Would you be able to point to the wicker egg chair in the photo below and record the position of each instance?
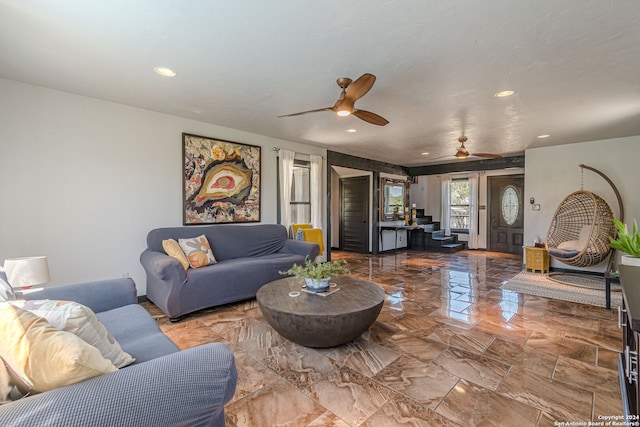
(580, 230)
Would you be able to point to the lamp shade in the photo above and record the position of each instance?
(27, 271)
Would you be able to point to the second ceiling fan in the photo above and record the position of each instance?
(351, 92)
(463, 153)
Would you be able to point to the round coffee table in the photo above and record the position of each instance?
(320, 321)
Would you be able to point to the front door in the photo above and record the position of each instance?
(506, 213)
(354, 214)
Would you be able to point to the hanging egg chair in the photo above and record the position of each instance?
(580, 230)
(581, 227)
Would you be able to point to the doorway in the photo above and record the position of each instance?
(354, 214)
(506, 213)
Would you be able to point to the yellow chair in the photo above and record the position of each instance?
(314, 235)
(309, 234)
(296, 227)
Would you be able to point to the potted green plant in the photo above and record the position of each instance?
(626, 242)
(317, 276)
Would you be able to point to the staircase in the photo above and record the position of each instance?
(437, 241)
(433, 239)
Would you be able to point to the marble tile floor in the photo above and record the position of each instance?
(450, 348)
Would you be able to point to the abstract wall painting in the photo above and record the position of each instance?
(221, 181)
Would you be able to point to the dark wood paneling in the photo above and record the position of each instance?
(353, 162)
(480, 165)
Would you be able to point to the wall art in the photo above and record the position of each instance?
(221, 181)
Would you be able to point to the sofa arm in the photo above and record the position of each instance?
(162, 267)
(300, 247)
(187, 388)
(101, 295)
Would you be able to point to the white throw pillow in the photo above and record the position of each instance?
(198, 251)
(81, 321)
(42, 356)
(583, 240)
(570, 245)
(6, 291)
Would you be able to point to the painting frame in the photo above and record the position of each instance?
(220, 181)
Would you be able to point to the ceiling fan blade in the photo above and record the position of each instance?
(360, 87)
(487, 155)
(307, 112)
(370, 117)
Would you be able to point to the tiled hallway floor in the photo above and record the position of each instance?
(449, 348)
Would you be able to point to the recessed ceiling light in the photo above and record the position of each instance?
(504, 93)
(351, 130)
(426, 153)
(164, 71)
(543, 136)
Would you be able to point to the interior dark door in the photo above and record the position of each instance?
(354, 214)
(506, 213)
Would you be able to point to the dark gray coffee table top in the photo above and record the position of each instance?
(321, 321)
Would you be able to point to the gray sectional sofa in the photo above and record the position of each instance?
(164, 387)
(248, 257)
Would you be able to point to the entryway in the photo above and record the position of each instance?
(506, 213)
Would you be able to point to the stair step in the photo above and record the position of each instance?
(453, 247)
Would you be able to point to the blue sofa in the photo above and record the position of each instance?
(164, 387)
(248, 257)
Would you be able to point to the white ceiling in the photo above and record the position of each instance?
(574, 64)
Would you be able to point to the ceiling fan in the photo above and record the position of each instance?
(351, 92)
(463, 153)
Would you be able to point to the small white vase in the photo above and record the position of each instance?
(629, 260)
(316, 285)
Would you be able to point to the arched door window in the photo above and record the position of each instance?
(510, 205)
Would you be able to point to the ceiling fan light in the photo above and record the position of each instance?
(462, 155)
(504, 93)
(343, 113)
(165, 71)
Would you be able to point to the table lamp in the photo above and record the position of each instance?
(27, 271)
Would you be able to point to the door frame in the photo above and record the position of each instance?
(489, 204)
(368, 214)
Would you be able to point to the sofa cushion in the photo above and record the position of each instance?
(173, 249)
(79, 320)
(137, 332)
(43, 356)
(198, 251)
(230, 242)
(233, 279)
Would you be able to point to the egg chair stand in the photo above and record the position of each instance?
(580, 230)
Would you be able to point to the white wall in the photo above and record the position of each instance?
(552, 173)
(83, 180)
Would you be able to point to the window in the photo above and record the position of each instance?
(300, 203)
(510, 205)
(459, 211)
